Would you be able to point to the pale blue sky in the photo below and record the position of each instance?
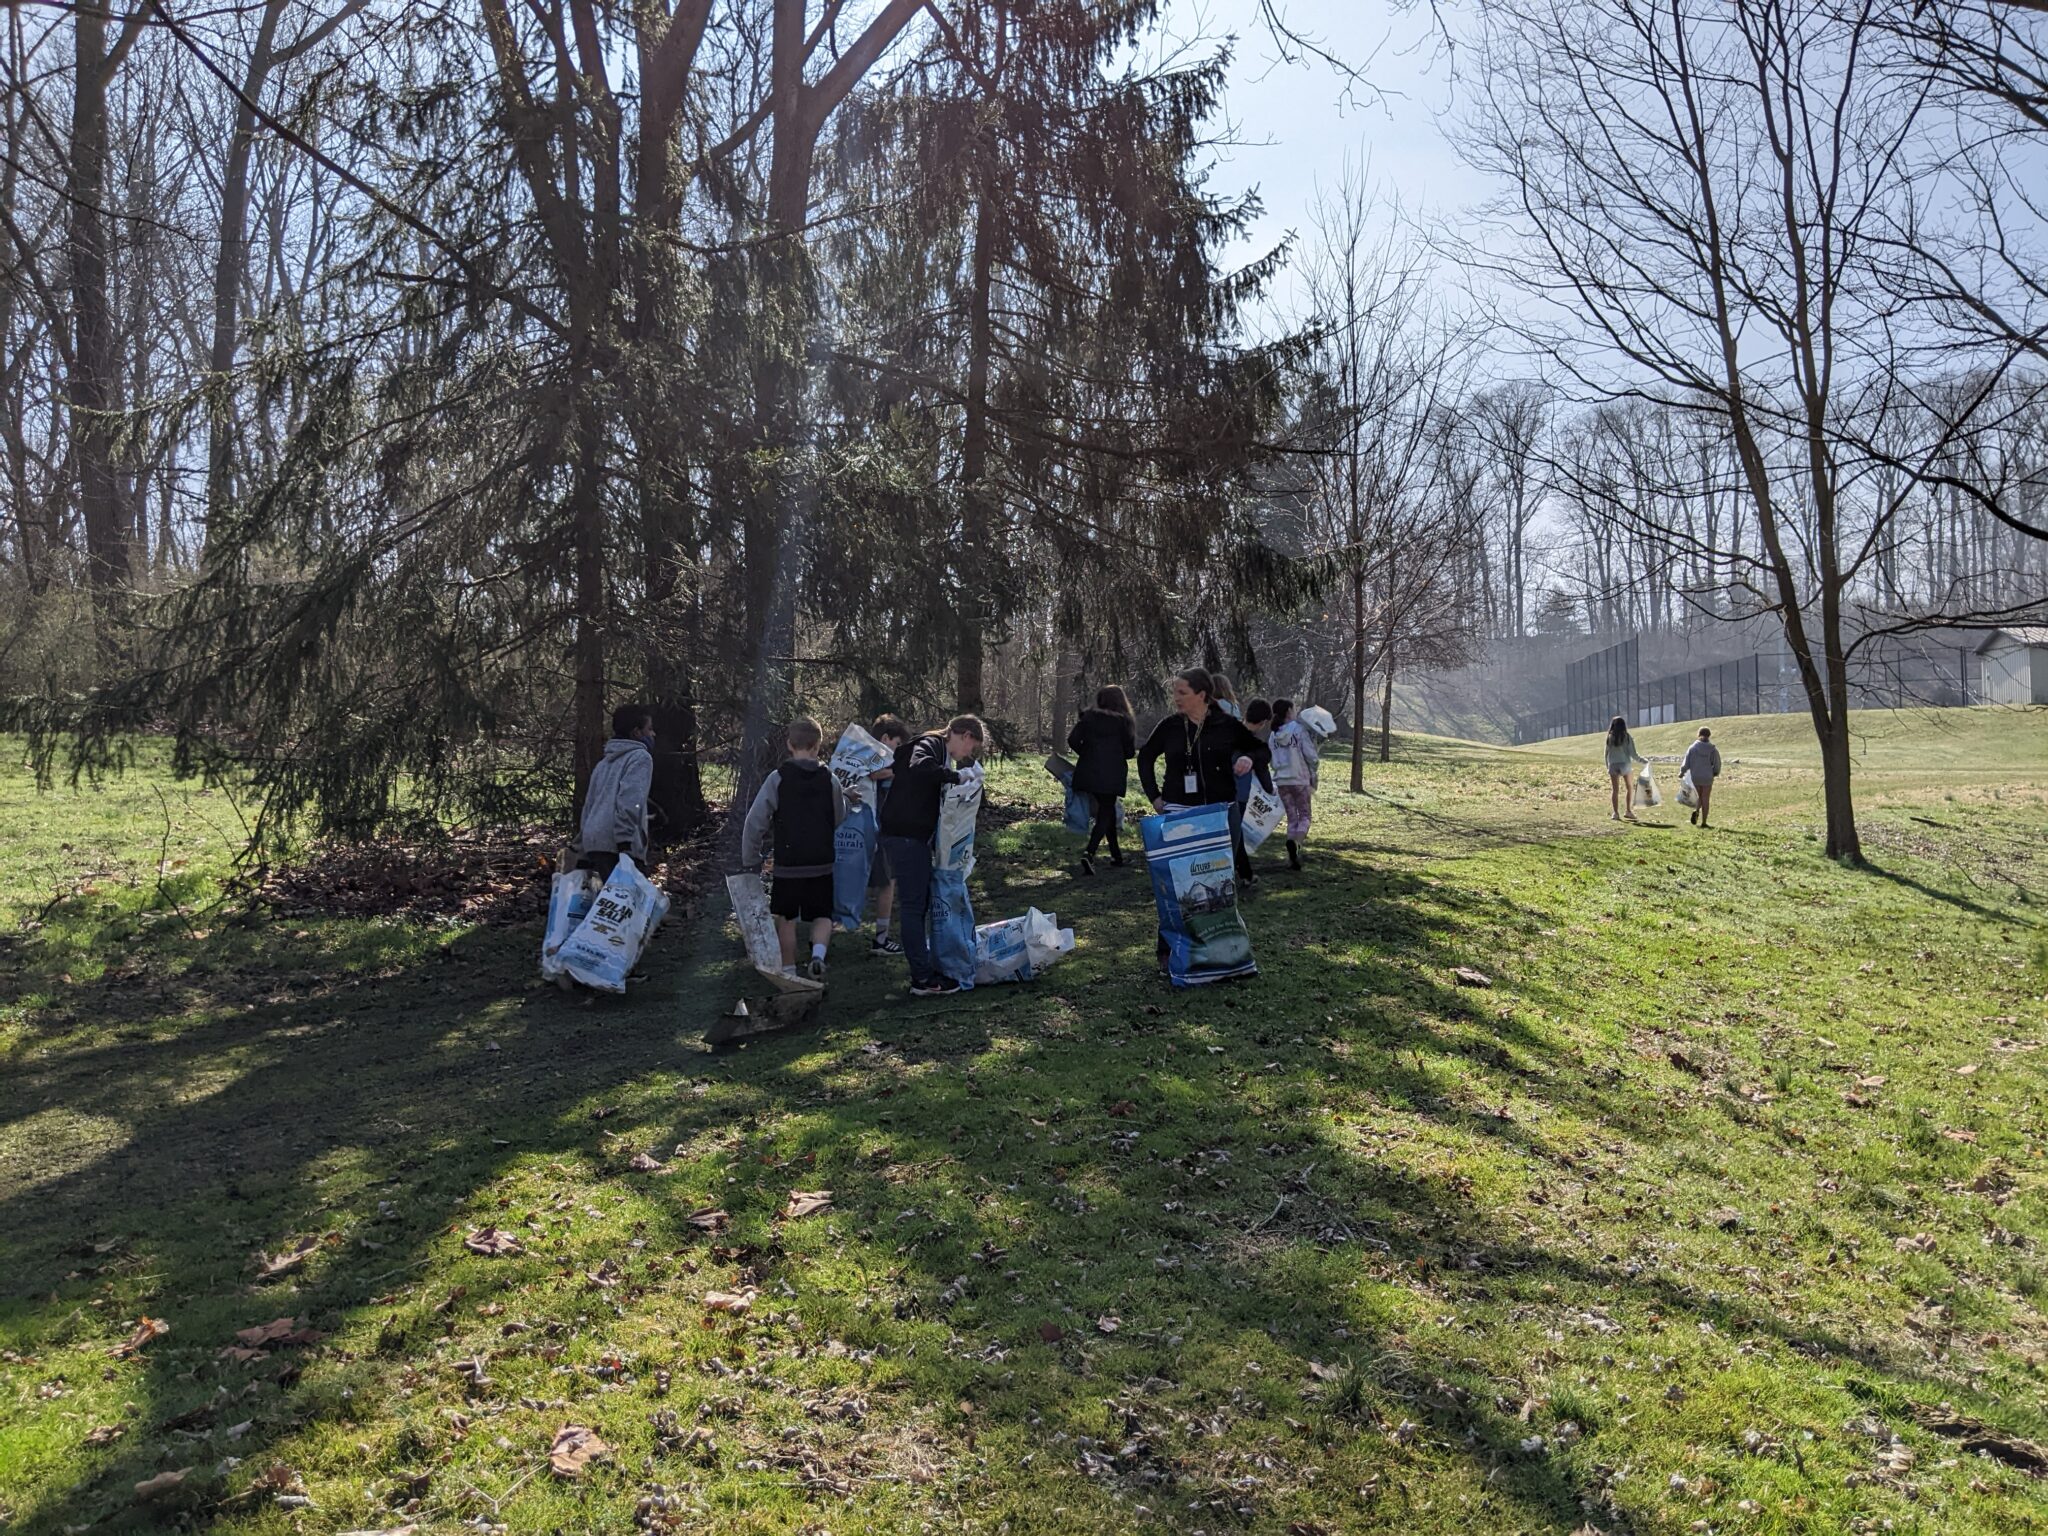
(1298, 121)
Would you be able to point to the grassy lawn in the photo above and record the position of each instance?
(1723, 1208)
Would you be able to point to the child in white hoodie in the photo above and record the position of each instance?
(1296, 767)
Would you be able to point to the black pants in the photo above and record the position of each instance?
(1105, 825)
(1240, 855)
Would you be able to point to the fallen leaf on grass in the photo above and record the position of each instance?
(1858, 1100)
(1467, 977)
(1969, 1136)
(575, 1448)
(1965, 1071)
(731, 1301)
(710, 1219)
(1051, 1333)
(807, 1202)
(1919, 1242)
(163, 1483)
(191, 1418)
(606, 1275)
(280, 1330)
(1323, 1372)
(270, 1266)
(1871, 1080)
(106, 1434)
(1123, 1109)
(1108, 1323)
(146, 1329)
(644, 1163)
(396, 1530)
(278, 1478)
(493, 1244)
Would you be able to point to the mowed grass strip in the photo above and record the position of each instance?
(1721, 1207)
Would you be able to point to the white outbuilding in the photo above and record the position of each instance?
(2014, 665)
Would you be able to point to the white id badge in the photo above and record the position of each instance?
(1187, 783)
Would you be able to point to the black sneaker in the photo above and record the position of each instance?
(817, 970)
(884, 945)
(1087, 865)
(943, 986)
(1293, 855)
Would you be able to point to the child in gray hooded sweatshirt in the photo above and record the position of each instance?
(1703, 763)
(614, 817)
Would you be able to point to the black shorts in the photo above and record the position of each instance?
(879, 878)
(806, 900)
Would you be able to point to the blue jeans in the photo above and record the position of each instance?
(910, 861)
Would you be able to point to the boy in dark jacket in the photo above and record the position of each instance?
(909, 820)
(799, 807)
(1103, 741)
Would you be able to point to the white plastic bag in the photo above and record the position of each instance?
(569, 897)
(1646, 787)
(757, 925)
(1263, 814)
(1018, 948)
(1319, 721)
(959, 805)
(858, 755)
(1045, 940)
(602, 952)
(1687, 795)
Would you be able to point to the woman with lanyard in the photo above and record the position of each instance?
(1206, 752)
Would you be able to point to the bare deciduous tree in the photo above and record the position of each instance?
(1706, 192)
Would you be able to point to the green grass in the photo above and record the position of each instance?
(1628, 1239)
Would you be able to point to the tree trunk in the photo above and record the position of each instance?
(1358, 682)
(676, 795)
(586, 511)
(230, 263)
(971, 562)
(93, 363)
(1387, 710)
(777, 520)
(1387, 662)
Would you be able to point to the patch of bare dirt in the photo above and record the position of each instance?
(497, 877)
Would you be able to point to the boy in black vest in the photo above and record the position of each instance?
(799, 808)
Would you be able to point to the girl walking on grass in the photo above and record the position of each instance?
(1103, 740)
(1296, 766)
(1622, 757)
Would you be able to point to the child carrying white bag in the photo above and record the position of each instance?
(1263, 814)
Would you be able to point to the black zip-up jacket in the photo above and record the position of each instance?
(1213, 749)
(922, 774)
(1102, 742)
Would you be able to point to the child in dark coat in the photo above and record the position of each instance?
(1103, 740)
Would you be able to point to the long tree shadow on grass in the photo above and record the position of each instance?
(383, 1114)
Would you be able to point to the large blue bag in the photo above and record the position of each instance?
(1194, 883)
(953, 925)
(1079, 813)
(854, 852)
